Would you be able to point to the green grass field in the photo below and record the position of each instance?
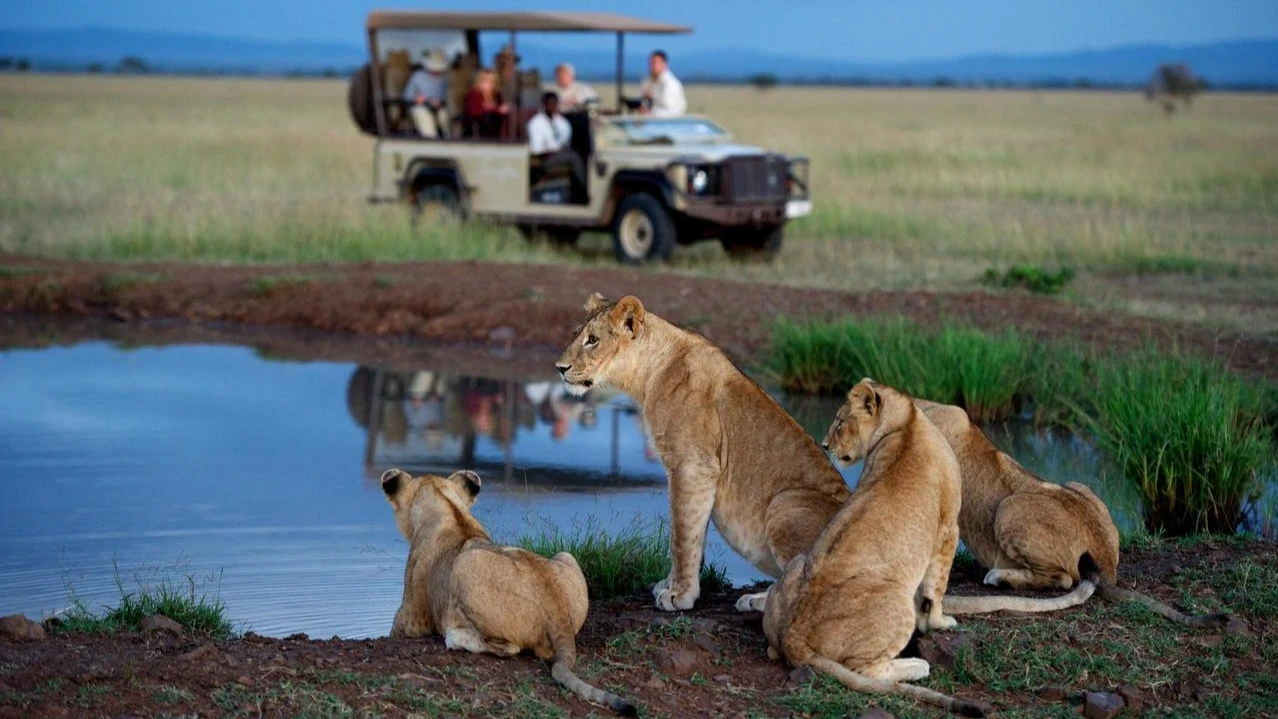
(913, 188)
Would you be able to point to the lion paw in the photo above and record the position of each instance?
(669, 600)
(909, 670)
(995, 578)
(945, 622)
(752, 602)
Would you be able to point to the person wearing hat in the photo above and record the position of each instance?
(426, 94)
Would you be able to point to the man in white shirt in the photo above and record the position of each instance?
(573, 95)
(427, 95)
(549, 135)
(662, 92)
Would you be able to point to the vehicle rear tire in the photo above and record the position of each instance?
(437, 204)
(642, 230)
(757, 245)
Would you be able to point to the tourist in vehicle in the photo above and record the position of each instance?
(573, 95)
(484, 106)
(661, 91)
(427, 94)
(549, 140)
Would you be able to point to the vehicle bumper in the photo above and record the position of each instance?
(739, 215)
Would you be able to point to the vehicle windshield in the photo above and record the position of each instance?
(644, 131)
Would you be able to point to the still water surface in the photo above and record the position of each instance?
(258, 478)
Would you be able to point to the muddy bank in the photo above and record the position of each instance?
(496, 305)
(708, 662)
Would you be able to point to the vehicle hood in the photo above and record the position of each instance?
(708, 151)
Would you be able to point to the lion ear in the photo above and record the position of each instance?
(468, 481)
(865, 397)
(596, 302)
(392, 480)
(628, 314)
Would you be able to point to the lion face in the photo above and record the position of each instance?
(419, 501)
(602, 343)
(849, 437)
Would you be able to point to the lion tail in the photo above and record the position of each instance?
(862, 683)
(1087, 569)
(1115, 593)
(562, 670)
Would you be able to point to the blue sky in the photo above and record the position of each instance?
(868, 30)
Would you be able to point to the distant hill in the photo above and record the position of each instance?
(1242, 62)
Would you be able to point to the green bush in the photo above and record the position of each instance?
(1030, 277)
(618, 564)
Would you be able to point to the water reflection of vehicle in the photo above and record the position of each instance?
(435, 421)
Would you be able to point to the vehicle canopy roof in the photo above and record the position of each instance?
(520, 21)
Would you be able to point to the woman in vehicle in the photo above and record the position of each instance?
(484, 106)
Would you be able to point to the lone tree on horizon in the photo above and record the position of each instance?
(1172, 83)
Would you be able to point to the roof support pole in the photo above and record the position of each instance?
(621, 48)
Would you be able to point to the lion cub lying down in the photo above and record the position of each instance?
(880, 567)
(1033, 534)
(484, 597)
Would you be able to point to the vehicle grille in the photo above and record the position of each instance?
(758, 178)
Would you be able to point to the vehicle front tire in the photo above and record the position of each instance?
(437, 204)
(759, 245)
(642, 230)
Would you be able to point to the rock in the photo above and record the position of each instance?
(1101, 705)
(800, 676)
(1052, 693)
(201, 652)
(677, 662)
(244, 681)
(160, 623)
(709, 626)
(16, 627)
(1212, 640)
(877, 713)
(1135, 699)
(655, 683)
(705, 642)
(722, 678)
(943, 649)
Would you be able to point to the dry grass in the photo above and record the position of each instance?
(913, 188)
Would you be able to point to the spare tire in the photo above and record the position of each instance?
(359, 100)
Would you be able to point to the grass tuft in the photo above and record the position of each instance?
(181, 599)
(983, 373)
(1189, 434)
(618, 564)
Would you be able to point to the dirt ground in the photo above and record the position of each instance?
(537, 306)
(708, 662)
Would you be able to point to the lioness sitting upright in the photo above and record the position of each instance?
(879, 569)
(1033, 534)
(484, 597)
(729, 450)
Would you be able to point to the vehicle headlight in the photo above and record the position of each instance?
(700, 181)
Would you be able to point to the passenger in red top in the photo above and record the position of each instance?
(484, 105)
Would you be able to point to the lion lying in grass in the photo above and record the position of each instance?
(1033, 534)
(485, 597)
(731, 452)
(880, 568)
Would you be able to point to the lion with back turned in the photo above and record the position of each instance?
(484, 597)
(731, 453)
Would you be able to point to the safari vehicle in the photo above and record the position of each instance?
(653, 183)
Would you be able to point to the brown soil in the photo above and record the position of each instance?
(708, 662)
(538, 305)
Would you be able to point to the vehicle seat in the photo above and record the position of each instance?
(395, 74)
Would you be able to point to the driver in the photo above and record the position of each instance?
(549, 135)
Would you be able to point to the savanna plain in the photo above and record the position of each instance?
(1046, 214)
